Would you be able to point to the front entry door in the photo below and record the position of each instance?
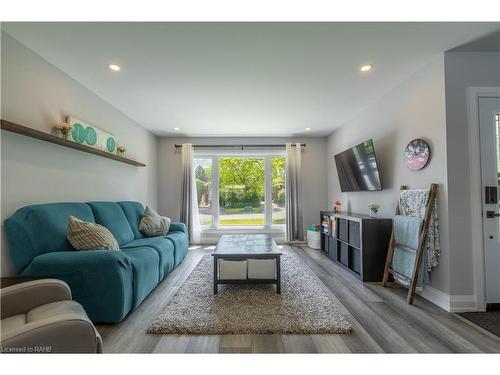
(489, 127)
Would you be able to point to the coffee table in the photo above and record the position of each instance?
(254, 258)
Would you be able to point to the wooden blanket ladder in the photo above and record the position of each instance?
(421, 245)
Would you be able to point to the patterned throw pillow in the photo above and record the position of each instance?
(83, 235)
(153, 224)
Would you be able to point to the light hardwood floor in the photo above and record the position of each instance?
(382, 321)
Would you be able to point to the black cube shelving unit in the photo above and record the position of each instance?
(357, 242)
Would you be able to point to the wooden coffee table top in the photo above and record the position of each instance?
(258, 245)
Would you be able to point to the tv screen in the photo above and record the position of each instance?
(357, 168)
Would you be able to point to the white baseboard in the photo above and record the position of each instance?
(451, 303)
(437, 297)
(463, 303)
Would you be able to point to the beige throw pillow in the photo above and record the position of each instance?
(153, 224)
(83, 235)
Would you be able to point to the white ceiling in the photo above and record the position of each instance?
(241, 79)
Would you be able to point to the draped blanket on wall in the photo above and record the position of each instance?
(293, 186)
(189, 198)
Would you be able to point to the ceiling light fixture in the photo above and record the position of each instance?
(177, 129)
(366, 68)
(307, 129)
(114, 67)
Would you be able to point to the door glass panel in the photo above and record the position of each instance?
(278, 190)
(497, 122)
(203, 175)
(497, 127)
(241, 191)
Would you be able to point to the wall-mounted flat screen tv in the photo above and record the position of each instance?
(357, 168)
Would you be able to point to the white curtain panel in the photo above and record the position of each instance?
(189, 198)
(293, 184)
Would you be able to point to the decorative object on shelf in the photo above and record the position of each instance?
(64, 129)
(120, 150)
(373, 208)
(417, 154)
(87, 134)
(337, 206)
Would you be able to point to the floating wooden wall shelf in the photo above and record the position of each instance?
(33, 133)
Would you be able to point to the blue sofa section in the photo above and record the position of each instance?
(108, 284)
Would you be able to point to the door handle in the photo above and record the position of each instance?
(492, 214)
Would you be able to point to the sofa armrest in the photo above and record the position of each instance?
(68, 333)
(20, 298)
(100, 280)
(178, 227)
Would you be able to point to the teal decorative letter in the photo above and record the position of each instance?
(90, 136)
(111, 144)
(78, 133)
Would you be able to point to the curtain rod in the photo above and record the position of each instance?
(282, 145)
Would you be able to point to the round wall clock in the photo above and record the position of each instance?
(417, 154)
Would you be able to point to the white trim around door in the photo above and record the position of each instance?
(473, 95)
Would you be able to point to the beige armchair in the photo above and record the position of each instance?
(40, 317)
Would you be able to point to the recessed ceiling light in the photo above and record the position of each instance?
(307, 129)
(177, 129)
(114, 67)
(366, 68)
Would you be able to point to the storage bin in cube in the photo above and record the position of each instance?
(313, 239)
(232, 269)
(262, 269)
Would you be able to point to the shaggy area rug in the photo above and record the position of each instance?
(302, 308)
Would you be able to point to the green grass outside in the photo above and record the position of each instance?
(255, 221)
(232, 211)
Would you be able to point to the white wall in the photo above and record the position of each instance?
(413, 109)
(38, 95)
(313, 164)
(463, 70)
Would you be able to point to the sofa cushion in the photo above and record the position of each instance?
(133, 212)
(110, 214)
(145, 265)
(39, 229)
(165, 249)
(181, 244)
(90, 236)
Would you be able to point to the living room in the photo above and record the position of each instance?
(250, 187)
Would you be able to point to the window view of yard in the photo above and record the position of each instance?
(241, 191)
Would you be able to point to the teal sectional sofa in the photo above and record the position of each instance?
(108, 284)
